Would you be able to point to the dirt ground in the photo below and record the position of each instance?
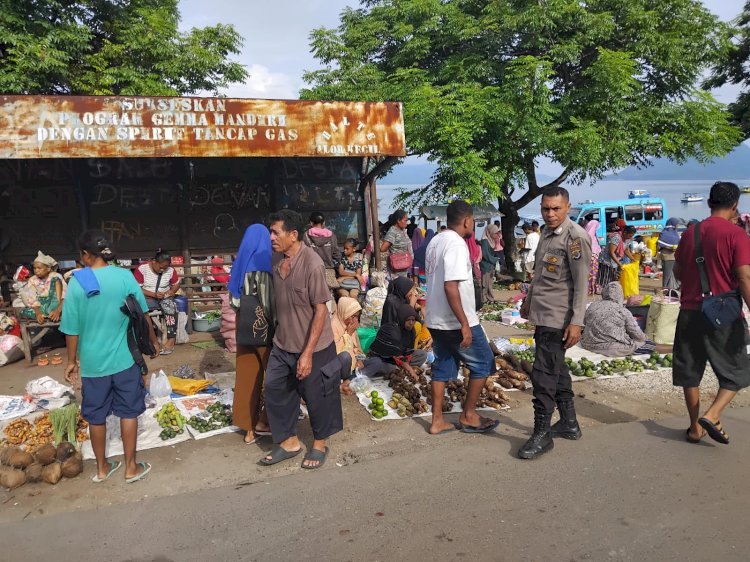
(225, 460)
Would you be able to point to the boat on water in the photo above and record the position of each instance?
(638, 193)
(691, 198)
(745, 189)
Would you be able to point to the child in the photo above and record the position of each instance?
(349, 270)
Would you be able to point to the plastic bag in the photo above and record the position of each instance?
(366, 337)
(629, 279)
(661, 322)
(159, 386)
(182, 335)
(360, 383)
(46, 388)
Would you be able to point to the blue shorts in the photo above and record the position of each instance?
(122, 394)
(478, 357)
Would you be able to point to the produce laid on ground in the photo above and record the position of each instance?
(48, 463)
(586, 368)
(40, 432)
(217, 415)
(171, 420)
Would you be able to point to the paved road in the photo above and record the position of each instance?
(631, 491)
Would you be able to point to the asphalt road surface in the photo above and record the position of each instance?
(629, 491)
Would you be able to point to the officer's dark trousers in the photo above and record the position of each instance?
(283, 392)
(550, 376)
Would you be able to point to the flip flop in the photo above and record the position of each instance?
(166, 352)
(315, 455)
(693, 439)
(113, 467)
(477, 429)
(278, 455)
(262, 433)
(146, 469)
(714, 431)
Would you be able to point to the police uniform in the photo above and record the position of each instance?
(558, 298)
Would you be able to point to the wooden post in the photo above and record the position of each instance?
(375, 225)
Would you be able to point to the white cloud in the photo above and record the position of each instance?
(265, 84)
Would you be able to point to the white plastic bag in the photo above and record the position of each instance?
(159, 386)
(182, 335)
(46, 388)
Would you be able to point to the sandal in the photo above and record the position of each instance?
(693, 439)
(146, 469)
(113, 467)
(278, 455)
(714, 431)
(315, 455)
(478, 429)
(42, 361)
(57, 359)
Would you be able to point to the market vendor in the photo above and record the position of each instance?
(401, 291)
(611, 329)
(44, 292)
(159, 283)
(344, 325)
(394, 347)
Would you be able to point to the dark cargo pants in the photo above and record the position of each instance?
(550, 375)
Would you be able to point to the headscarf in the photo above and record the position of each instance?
(591, 227)
(393, 339)
(42, 258)
(745, 222)
(669, 236)
(397, 291)
(619, 227)
(254, 255)
(417, 238)
(613, 292)
(475, 254)
(489, 233)
(420, 254)
(346, 308)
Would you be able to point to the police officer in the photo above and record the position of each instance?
(556, 304)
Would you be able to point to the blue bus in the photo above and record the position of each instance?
(647, 215)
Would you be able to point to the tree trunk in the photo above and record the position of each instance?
(508, 227)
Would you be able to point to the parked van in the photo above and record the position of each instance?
(648, 216)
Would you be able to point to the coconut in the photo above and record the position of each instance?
(6, 453)
(21, 459)
(52, 473)
(11, 478)
(34, 472)
(73, 466)
(64, 450)
(46, 454)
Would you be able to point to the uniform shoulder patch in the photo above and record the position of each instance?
(575, 249)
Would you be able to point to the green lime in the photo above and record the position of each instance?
(379, 401)
(374, 394)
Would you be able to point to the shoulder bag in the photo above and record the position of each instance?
(400, 261)
(720, 310)
(255, 318)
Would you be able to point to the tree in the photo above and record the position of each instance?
(491, 86)
(735, 69)
(111, 47)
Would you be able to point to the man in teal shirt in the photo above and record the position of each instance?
(99, 359)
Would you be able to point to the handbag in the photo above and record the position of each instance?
(254, 327)
(400, 261)
(720, 310)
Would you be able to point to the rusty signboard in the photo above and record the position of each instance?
(99, 126)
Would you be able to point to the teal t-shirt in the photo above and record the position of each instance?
(99, 323)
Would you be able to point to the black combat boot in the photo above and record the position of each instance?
(567, 427)
(541, 440)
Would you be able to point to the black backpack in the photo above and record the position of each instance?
(139, 339)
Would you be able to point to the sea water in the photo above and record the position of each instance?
(670, 190)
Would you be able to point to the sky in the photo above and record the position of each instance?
(276, 32)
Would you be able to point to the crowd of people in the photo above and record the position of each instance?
(299, 301)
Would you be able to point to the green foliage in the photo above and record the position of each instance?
(735, 69)
(111, 47)
(490, 86)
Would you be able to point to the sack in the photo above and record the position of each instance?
(661, 322)
(400, 261)
(372, 311)
(349, 283)
(629, 279)
(722, 310)
(159, 386)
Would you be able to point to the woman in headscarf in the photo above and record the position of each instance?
(488, 262)
(253, 263)
(669, 238)
(44, 292)
(400, 291)
(421, 252)
(344, 324)
(611, 329)
(610, 259)
(591, 227)
(393, 347)
(475, 255)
